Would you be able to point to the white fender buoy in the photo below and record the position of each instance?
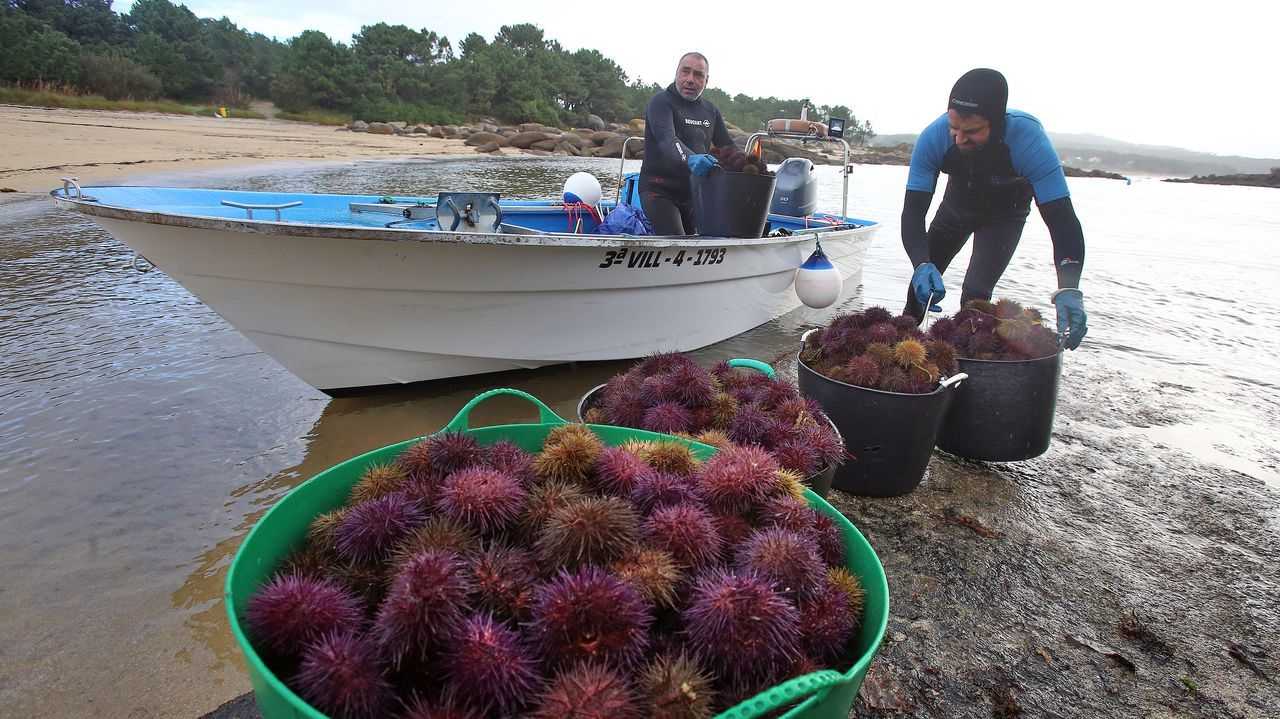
(818, 282)
(582, 187)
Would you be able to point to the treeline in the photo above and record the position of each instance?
(386, 73)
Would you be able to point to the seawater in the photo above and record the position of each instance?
(141, 437)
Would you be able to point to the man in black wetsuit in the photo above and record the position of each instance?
(996, 160)
(679, 128)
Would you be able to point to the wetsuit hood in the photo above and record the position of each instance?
(984, 92)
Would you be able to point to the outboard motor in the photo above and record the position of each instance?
(796, 190)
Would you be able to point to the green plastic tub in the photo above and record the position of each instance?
(821, 694)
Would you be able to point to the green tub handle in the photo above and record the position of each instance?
(753, 364)
(788, 692)
(460, 422)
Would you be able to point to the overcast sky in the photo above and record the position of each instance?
(1199, 76)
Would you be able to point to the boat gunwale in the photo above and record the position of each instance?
(403, 234)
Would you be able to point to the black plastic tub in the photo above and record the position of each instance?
(819, 483)
(890, 434)
(732, 204)
(1005, 411)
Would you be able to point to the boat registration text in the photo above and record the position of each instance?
(655, 258)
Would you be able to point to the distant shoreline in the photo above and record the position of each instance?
(1271, 179)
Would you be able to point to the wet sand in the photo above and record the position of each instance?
(43, 144)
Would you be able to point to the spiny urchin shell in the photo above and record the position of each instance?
(509, 457)
(589, 614)
(424, 605)
(453, 451)
(487, 662)
(591, 530)
(788, 559)
(369, 532)
(667, 417)
(340, 675)
(505, 576)
(655, 489)
(826, 623)
(671, 456)
(738, 478)
(675, 687)
(570, 457)
(542, 502)
(687, 532)
(293, 610)
(616, 470)
(740, 624)
(588, 691)
(481, 497)
(438, 532)
(377, 480)
(652, 572)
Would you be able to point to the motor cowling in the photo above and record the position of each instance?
(795, 193)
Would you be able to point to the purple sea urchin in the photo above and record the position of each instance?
(504, 578)
(830, 539)
(673, 686)
(449, 706)
(667, 417)
(826, 623)
(616, 471)
(423, 607)
(788, 513)
(592, 530)
(482, 498)
(589, 614)
(655, 489)
(875, 315)
(453, 451)
(293, 610)
(685, 531)
(587, 691)
(862, 371)
(788, 559)
(740, 625)
(369, 532)
(340, 675)
(738, 478)
(508, 457)
(487, 663)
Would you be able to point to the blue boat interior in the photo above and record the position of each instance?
(410, 213)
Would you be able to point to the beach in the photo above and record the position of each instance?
(45, 144)
(1131, 570)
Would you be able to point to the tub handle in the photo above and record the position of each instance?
(753, 364)
(953, 379)
(461, 423)
(784, 694)
(805, 337)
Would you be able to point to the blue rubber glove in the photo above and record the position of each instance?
(1071, 316)
(927, 280)
(700, 165)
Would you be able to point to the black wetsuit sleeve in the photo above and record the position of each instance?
(720, 136)
(1068, 240)
(914, 240)
(661, 118)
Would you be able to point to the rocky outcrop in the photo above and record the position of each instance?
(381, 128)
(1269, 180)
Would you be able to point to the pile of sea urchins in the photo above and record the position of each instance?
(637, 580)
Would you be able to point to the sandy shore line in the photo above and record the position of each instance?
(97, 146)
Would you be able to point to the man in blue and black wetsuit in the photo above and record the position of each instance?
(996, 160)
(679, 128)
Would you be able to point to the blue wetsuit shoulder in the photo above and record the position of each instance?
(1033, 156)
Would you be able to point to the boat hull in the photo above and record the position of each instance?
(345, 310)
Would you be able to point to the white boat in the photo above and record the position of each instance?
(352, 292)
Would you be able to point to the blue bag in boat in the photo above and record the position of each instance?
(625, 220)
